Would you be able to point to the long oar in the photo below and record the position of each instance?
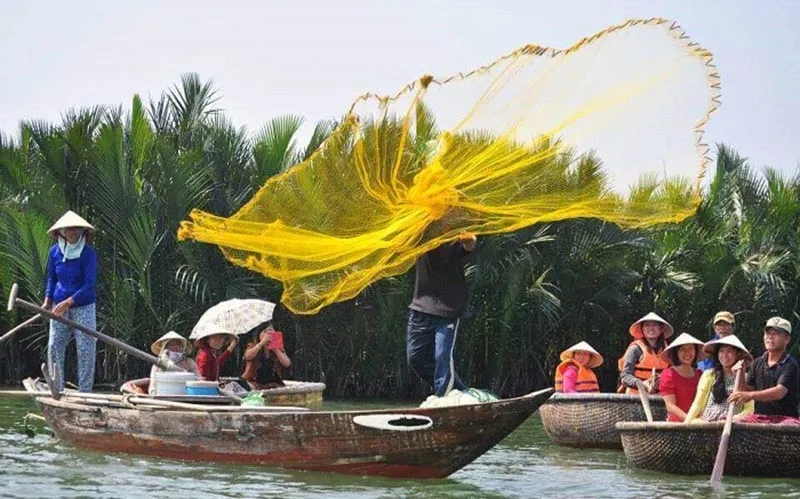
(13, 301)
(645, 400)
(28, 322)
(722, 451)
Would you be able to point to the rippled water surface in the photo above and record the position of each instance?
(525, 464)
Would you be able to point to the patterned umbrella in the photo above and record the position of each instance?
(233, 316)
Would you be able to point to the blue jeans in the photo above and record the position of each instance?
(429, 349)
(60, 335)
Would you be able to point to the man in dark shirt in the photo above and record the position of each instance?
(440, 299)
(772, 379)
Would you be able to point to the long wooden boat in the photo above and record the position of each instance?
(405, 443)
(295, 393)
(587, 420)
(756, 450)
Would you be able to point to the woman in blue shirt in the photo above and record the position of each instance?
(70, 290)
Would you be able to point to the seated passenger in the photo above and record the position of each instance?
(574, 374)
(642, 360)
(678, 384)
(212, 354)
(175, 348)
(265, 359)
(724, 325)
(716, 384)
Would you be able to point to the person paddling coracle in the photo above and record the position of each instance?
(716, 384)
(772, 379)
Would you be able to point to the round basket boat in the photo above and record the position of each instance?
(587, 420)
(756, 450)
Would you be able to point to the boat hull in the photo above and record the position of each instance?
(587, 420)
(756, 450)
(319, 441)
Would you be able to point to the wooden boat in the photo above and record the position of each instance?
(756, 450)
(587, 420)
(404, 443)
(295, 393)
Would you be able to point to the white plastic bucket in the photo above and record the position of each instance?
(172, 382)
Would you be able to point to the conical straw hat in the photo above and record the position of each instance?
(211, 330)
(636, 327)
(70, 219)
(159, 344)
(595, 360)
(731, 340)
(683, 339)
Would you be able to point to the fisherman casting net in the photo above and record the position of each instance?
(610, 128)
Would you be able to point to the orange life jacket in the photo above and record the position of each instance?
(644, 368)
(586, 382)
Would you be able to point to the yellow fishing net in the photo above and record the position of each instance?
(609, 128)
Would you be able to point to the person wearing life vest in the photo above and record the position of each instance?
(642, 360)
(574, 374)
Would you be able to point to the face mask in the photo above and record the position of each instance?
(71, 251)
(175, 356)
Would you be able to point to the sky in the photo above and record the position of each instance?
(313, 58)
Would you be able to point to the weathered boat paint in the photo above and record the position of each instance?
(319, 441)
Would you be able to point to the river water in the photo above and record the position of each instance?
(525, 465)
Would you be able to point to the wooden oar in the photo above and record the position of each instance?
(28, 322)
(13, 301)
(645, 400)
(165, 364)
(722, 451)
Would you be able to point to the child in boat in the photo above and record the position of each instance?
(212, 354)
(678, 384)
(265, 359)
(574, 374)
(642, 360)
(176, 348)
(716, 384)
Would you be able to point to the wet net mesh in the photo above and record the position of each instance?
(610, 128)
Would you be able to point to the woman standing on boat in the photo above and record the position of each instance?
(642, 360)
(716, 384)
(70, 290)
(678, 383)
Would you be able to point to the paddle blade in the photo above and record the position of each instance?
(719, 462)
(722, 451)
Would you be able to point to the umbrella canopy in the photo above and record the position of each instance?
(235, 316)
